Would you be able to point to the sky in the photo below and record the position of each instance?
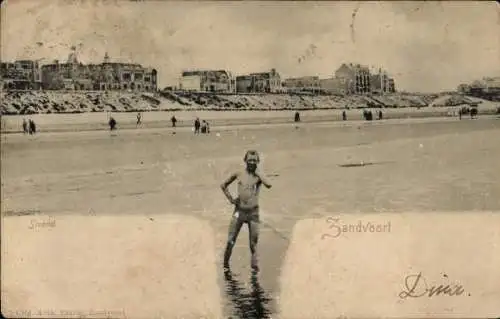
(425, 46)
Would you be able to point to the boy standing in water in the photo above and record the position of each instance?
(246, 206)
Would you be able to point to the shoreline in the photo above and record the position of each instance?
(225, 124)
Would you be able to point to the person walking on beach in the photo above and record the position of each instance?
(344, 116)
(369, 115)
(297, 117)
(112, 124)
(204, 127)
(139, 119)
(25, 126)
(197, 125)
(380, 115)
(174, 121)
(32, 127)
(473, 113)
(297, 120)
(246, 206)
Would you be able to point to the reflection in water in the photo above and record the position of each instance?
(247, 305)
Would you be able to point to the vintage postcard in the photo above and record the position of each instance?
(250, 159)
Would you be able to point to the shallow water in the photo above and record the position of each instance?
(246, 302)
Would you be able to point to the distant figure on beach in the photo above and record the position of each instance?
(460, 113)
(207, 127)
(473, 112)
(112, 124)
(246, 206)
(344, 116)
(380, 115)
(173, 120)
(297, 117)
(368, 115)
(32, 127)
(204, 127)
(197, 125)
(139, 118)
(25, 126)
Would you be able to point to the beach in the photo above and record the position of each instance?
(408, 165)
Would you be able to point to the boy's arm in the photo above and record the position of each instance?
(264, 180)
(226, 184)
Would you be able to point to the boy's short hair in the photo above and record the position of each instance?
(251, 153)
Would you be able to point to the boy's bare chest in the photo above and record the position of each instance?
(248, 181)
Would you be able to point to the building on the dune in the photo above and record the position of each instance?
(485, 85)
(262, 82)
(267, 82)
(220, 81)
(463, 88)
(125, 76)
(333, 86)
(492, 84)
(302, 84)
(348, 79)
(486, 88)
(391, 85)
(355, 78)
(382, 83)
(244, 83)
(73, 75)
(20, 75)
(477, 87)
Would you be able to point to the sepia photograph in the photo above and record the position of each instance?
(250, 159)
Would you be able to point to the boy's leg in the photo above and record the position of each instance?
(234, 230)
(253, 233)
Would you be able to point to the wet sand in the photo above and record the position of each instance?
(98, 266)
(446, 165)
